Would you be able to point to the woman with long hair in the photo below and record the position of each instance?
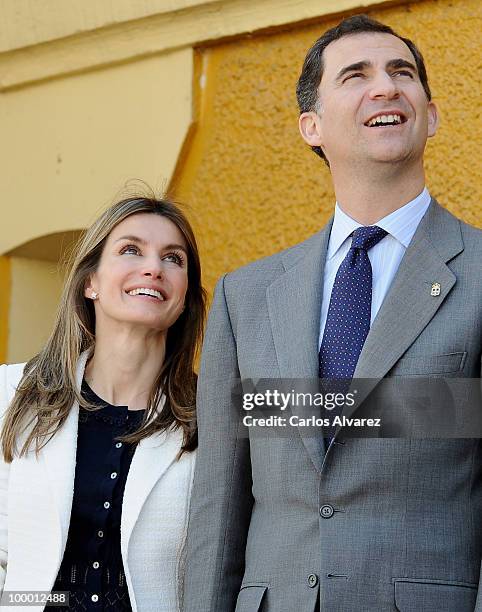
(98, 430)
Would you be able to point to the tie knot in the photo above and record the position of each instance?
(367, 237)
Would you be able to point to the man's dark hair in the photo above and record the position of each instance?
(312, 71)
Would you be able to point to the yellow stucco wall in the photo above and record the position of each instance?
(4, 306)
(35, 292)
(74, 142)
(254, 186)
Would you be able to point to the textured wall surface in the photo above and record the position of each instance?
(29, 327)
(255, 188)
(5, 283)
(79, 139)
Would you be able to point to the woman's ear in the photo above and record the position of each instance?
(89, 291)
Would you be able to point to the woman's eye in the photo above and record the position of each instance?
(130, 250)
(175, 258)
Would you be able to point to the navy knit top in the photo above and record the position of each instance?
(92, 569)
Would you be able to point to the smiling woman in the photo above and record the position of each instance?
(99, 428)
(142, 277)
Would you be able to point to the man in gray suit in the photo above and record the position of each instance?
(303, 522)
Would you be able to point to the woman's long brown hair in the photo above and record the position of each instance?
(48, 387)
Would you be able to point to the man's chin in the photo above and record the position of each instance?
(390, 155)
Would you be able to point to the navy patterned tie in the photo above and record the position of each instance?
(348, 319)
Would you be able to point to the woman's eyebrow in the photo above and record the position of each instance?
(165, 247)
(175, 246)
(132, 238)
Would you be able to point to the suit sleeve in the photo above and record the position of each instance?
(4, 474)
(478, 603)
(222, 499)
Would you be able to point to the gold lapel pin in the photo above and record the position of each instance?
(435, 290)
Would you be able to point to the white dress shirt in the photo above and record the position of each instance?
(385, 257)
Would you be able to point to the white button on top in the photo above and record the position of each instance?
(95, 565)
(113, 475)
(100, 533)
(118, 445)
(95, 598)
(106, 505)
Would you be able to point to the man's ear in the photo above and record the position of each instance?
(433, 119)
(311, 129)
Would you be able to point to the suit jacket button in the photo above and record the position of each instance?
(312, 580)
(327, 511)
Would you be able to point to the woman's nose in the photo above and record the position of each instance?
(153, 268)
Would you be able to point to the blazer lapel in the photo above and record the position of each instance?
(294, 306)
(409, 305)
(59, 459)
(151, 459)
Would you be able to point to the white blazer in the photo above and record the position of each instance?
(36, 501)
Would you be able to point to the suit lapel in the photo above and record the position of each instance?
(409, 305)
(294, 306)
(151, 459)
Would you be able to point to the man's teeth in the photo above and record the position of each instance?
(384, 119)
(145, 291)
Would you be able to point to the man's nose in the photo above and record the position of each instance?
(384, 86)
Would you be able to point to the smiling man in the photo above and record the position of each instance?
(392, 286)
(366, 109)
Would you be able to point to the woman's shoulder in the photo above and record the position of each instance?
(10, 376)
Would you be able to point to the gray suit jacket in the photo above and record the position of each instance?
(406, 531)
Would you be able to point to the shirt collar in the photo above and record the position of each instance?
(401, 223)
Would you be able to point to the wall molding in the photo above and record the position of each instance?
(198, 22)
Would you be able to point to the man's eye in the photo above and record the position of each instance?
(352, 76)
(404, 73)
(130, 249)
